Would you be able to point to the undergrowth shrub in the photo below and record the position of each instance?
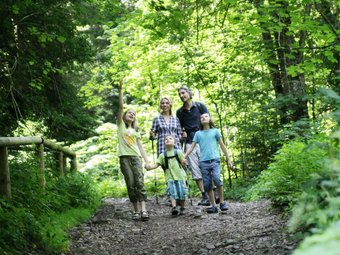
(319, 205)
(292, 166)
(32, 222)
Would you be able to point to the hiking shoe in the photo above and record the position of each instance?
(144, 215)
(204, 202)
(224, 206)
(182, 211)
(174, 211)
(212, 209)
(135, 216)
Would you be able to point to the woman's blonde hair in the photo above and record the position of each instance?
(170, 102)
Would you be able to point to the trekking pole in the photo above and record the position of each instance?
(187, 172)
(154, 171)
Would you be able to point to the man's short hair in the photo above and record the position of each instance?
(186, 89)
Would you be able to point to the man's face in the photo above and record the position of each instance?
(184, 95)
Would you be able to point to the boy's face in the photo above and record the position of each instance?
(169, 141)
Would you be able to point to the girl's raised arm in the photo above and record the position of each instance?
(120, 102)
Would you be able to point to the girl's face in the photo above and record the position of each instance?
(205, 118)
(130, 116)
(169, 140)
(165, 105)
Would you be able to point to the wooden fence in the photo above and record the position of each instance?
(6, 142)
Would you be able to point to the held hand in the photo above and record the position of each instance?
(147, 166)
(184, 135)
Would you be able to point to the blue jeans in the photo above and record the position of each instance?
(211, 171)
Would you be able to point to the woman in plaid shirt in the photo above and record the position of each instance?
(165, 124)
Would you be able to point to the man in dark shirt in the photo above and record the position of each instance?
(189, 116)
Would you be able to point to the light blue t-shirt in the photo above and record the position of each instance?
(208, 142)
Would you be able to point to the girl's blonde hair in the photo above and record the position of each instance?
(170, 102)
(211, 122)
(134, 122)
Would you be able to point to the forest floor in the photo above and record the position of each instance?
(247, 228)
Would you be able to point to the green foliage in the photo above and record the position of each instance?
(319, 204)
(97, 155)
(36, 220)
(292, 167)
(325, 243)
(317, 211)
(55, 227)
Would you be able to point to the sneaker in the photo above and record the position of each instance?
(224, 206)
(144, 215)
(204, 202)
(174, 211)
(212, 209)
(135, 216)
(182, 211)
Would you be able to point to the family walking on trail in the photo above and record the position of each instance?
(192, 126)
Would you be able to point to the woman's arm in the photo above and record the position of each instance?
(120, 103)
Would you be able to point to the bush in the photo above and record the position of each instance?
(326, 243)
(35, 220)
(292, 167)
(319, 205)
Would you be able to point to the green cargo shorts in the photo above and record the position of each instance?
(132, 169)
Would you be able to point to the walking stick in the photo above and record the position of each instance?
(187, 172)
(154, 171)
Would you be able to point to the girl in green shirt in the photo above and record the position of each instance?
(131, 151)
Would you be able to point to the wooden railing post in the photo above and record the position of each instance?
(61, 163)
(74, 163)
(5, 181)
(41, 163)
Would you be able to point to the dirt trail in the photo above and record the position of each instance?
(247, 228)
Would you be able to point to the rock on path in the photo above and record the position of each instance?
(247, 228)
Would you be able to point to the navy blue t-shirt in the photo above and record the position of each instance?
(190, 119)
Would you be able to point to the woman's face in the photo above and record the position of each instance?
(165, 105)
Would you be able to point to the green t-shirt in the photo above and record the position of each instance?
(127, 141)
(174, 172)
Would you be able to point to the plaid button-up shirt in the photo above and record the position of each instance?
(161, 129)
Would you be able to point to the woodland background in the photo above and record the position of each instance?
(267, 70)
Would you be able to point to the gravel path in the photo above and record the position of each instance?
(247, 228)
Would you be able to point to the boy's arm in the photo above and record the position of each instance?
(225, 152)
(120, 102)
